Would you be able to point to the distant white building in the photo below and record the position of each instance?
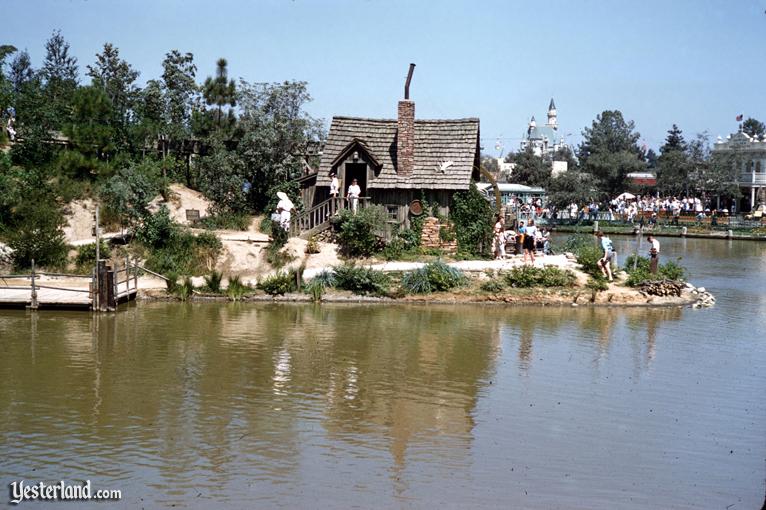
(751, 176)
(544, 140)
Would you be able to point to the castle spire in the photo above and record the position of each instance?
(552, 122)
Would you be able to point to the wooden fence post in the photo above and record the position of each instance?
(33, 304)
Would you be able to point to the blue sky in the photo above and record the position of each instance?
(695, 63)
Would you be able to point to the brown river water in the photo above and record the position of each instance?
(377, 406)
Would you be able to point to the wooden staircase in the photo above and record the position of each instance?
(317, 219)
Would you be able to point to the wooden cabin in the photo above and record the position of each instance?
(398, 161)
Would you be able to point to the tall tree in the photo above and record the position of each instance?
(529, 169)
(674, 141)
(21, 71)
(6, 89)
(275, 132)
(673, 164)
(178, 75)
(219, 90)
(117, 79)
(753, 127)
(610, 151)
(59, 74)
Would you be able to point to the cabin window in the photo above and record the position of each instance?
(393, 212)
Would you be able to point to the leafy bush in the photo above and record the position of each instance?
(312, 246)
(213, 281)
(129, 192)
(361, 280)
(587, 251)
(86, 255)
(669, 271)
(326, 279)
(597, 284)
(278, 284)
(672, 271)
(236, 289)
(360, 234)
(530, 276)
(471, 214)
(158, 230)
(35, 233)
(432, 277)
(226, 220)
(492, 286)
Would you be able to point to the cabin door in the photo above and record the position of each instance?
(356, 171)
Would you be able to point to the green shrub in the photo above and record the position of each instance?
(158, 230)
(416, 282)
(236, 289)
(278, 284)
(471, 215)
(312, 246)
(361, 233)
(361, 280)
(587, 251)
(86, 255)
(597, 284)
(35, 233)
(226, 220)
(530, 276)
(174, 249)
(672, 271)
(278, 257)
(213, 281)
(492, 286)
(172, 282)
(669, 271)
(432, 277)
(185, 290)
(315, 288)
(642, 263)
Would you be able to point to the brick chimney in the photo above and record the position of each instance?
(405, 124)
(405, 137)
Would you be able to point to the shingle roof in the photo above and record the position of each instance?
(436, 143)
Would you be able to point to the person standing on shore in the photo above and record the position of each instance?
(605, 262)
(654, 254)
(530, 233)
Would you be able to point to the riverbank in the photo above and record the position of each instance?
(756, 234)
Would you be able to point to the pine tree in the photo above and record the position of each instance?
(220, 91)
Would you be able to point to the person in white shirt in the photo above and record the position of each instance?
(334, 185)
(499, 238)
(284, 208)
(654, 254)
(529, 241)
(353, 195)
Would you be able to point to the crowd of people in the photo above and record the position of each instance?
(631, 208)
(525, 239)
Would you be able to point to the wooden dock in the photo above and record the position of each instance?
(103, 291)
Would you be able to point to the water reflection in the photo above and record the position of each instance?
(203, 404)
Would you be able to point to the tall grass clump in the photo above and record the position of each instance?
(432, 277)
(362, 280)
(213, 281)
(236, 289)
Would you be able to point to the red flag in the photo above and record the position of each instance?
(740, 117)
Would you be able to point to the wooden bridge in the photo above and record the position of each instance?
(103, 290)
